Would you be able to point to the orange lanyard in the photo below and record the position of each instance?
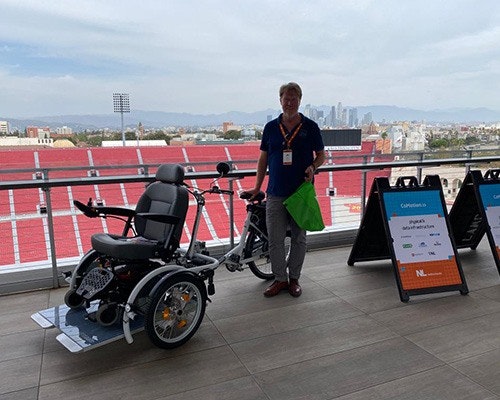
(289, 141)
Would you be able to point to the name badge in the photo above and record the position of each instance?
(287, 157)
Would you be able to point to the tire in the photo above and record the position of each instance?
(108, 314)
(73, 300)
(176, 310)
(256, 244)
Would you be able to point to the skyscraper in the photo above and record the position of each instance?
(307, 111)
(333, 117)
(339, 112)
(353, 117)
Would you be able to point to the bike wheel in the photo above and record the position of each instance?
(176, 311)
(257, 245)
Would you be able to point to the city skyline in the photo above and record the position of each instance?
(215, 57)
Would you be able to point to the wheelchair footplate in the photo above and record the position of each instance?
(78, 332)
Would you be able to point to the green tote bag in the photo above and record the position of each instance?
(304, 208)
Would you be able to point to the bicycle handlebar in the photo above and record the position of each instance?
(218, 190)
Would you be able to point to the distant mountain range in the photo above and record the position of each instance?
(160, 119)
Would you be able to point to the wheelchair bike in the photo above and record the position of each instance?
(142, 278)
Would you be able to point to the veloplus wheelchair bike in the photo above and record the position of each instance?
(142, 278)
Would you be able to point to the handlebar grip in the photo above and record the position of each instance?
(86, 210)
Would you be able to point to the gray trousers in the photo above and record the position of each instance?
(278, 220)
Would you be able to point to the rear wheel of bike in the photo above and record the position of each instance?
(257, 245)
(176, 311)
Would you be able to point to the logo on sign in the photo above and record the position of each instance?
(407, 245)
(420, 272)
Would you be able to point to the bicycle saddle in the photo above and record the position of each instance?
(247, 195)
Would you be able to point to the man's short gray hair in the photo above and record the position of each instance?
(291, 87)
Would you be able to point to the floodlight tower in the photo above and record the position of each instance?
(121, 104)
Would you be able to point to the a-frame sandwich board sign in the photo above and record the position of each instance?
(476, 211)
(408, 223)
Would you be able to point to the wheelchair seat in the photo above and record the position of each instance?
(158, 219)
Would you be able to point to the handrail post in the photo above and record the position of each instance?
(419, 169)
(231, 214)
(467, 166)
(50, 227)
(363, 187)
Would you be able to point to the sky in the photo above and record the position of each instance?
(62, 57)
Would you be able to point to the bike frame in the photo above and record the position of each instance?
(238, 250)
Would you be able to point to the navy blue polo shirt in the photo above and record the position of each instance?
(285, 179)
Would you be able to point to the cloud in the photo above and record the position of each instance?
(216, 56)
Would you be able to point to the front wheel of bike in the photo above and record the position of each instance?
(257, 246)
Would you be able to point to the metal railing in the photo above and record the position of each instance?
(416, 162)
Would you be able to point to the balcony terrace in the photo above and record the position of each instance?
(347, 337)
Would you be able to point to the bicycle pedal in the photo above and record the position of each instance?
(232, 267)
(211, 289)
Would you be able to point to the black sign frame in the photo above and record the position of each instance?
(374, 241)
(468, 219)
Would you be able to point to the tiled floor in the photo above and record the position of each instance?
(347, 337)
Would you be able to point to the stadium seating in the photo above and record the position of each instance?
(23, 221)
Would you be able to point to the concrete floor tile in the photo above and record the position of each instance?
(483, 369)
(255, 301)
(17, 322)
(62, 365)
(25, 394)
(295, 316)
(375, 300)
(244, 284)
(462, 339)
(492, 292)
(435, 310)
(359, 283)
(19, 374)
(151, 380)
(441, 383)
(241, 389)
(24, 303)
(22, 344)
(291, 347)
(342, 373)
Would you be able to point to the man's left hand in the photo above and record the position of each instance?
(309, 173)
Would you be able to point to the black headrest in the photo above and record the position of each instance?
(170, 173)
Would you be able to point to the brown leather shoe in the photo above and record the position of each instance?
(294, 288)
(275, 288)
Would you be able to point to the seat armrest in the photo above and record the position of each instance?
(119, 211)
(163, 218)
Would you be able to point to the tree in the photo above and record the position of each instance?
(158, 135)
(232, 135)
(438, 143)
(94, 141)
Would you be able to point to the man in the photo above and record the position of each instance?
(293, 150)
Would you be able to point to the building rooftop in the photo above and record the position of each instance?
(347, 337)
